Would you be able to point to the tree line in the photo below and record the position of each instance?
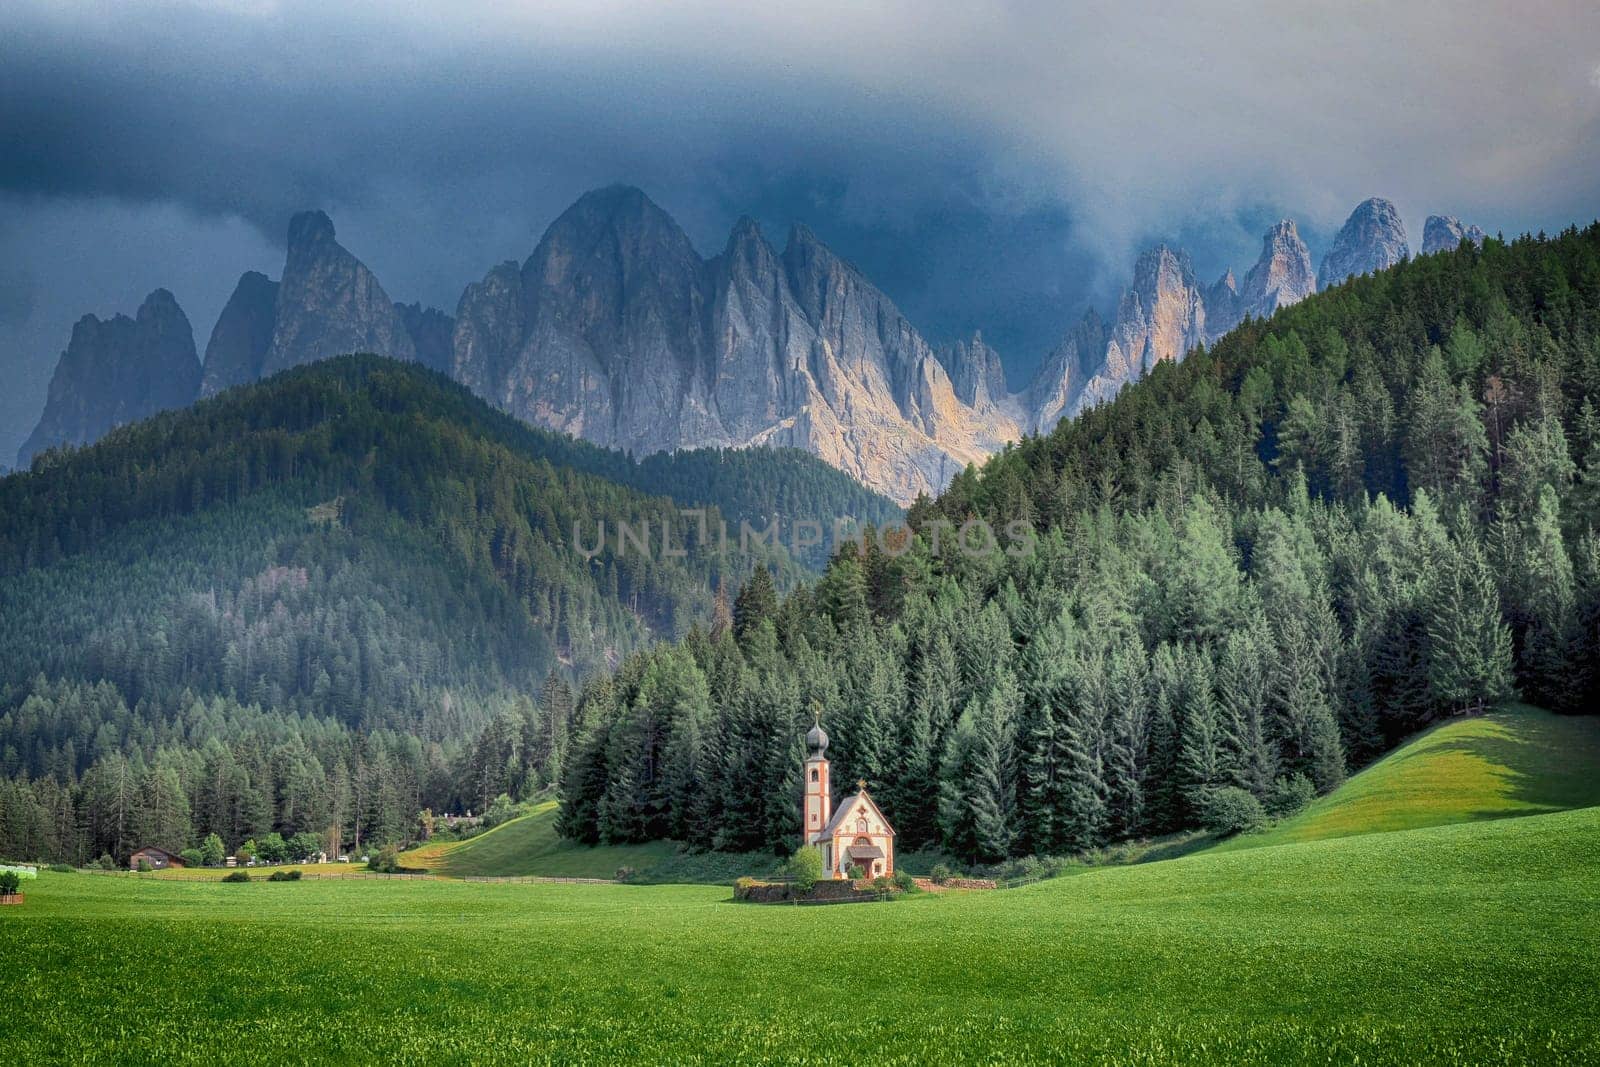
(1254, 572)
(93, 777)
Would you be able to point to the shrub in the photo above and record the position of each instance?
(1290, 795)
(626, 874)
(272, 848)
(904, 882)
(237, 876)
(1231, 810)
(284, 876)
(303, 846)
(882, 883)
(106, 863)
(805, 867)
(941, 873)
(61, 868)
(192, 857)
(212, 852)
(144, 866)
(502, 810)
(387, 861)
(855, 873)
(9, 881)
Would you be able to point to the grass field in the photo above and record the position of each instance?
(1517, 761)
(1471, 943)
(529, 845)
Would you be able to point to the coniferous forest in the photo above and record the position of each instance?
(1254, 572)
(326, 602)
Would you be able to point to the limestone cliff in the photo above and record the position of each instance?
(616, 330)
(1372, 238)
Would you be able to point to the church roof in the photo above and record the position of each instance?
(864, 852)
(848, 808)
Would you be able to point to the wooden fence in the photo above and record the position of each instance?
(536, 879)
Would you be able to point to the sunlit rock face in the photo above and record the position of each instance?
(1283, 274)
(615, 330)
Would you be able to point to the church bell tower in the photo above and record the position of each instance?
(818, 803)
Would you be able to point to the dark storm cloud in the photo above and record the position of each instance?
(992, 165)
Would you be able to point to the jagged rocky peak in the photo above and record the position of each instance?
(616, 264)
(117, 371)
(489, 326)
(329, 303)
(1444, 233)
(1223, 309)
(1281, 276)
(619, 332)
(243, 333)
(1060, 380)
(976, 373)
(617, 238)
(1163, 315)
(432, 333)
(1372, 238)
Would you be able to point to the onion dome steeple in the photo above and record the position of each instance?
(817, 737)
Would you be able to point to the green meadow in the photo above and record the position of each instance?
(1517, 761)
(1408, 918)
(1470, 943)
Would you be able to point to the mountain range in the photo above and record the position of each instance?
(617, 331)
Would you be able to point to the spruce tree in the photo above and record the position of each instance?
(1079, 744)
(1469, 645)
(1547, 589)
(1128, 694)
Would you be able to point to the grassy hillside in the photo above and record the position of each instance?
(530, 846)
(1468, 943)
(1518, 761)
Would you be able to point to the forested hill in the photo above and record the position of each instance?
(1255, 571)
(337, 575)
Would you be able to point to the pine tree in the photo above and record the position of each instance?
(1549, 604)
(972, 804)
(1127, 688)
(1469, 646)
(1202, 764)
(1079, 743)
(756, 602)
(1242, 711)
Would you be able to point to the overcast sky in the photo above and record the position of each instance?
(990, 165)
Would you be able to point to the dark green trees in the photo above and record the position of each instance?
(1253, 572)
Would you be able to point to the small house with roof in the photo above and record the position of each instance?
(853, 834)
(155, 858)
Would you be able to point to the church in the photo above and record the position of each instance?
(856, 833)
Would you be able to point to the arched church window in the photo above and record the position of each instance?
(814, 774)
(861, 826)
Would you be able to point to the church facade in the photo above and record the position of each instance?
(853, 834)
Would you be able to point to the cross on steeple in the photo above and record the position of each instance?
(861, 783)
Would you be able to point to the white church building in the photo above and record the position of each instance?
(853, 834)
